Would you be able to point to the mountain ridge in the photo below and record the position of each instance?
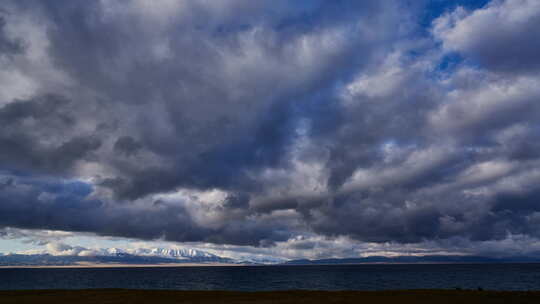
(415, 260)
(115, 256)
(154, 256)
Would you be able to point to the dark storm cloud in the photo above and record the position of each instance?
(500, 36)
(56, 205)
(190, 97)
(8, 46)
(25, 124)
(369, 220)
(126, 145)
(244, 122)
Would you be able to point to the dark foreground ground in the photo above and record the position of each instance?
(104, 296)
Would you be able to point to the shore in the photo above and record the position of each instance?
(113, 265)
(121, 265)
(170, 296)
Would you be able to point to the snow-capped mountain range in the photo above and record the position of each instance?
(176, 253)
(180, 254)
(73, 256)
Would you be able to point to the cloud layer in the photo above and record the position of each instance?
(265, 123)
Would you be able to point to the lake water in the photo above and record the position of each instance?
(253, 278)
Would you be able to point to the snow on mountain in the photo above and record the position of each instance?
(175, 253)
(113, 251)
(135, 255)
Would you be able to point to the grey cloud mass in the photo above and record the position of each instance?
(7, 45)
(500, 36)
(264, 122)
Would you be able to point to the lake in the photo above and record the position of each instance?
(255, 278)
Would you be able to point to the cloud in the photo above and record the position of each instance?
(70, 206)
(250, 124)
(127, 145)
(499, 36)
(38, 237)
(23, 144)
(63, 249)
(8, 45)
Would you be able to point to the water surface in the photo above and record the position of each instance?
(253, 278)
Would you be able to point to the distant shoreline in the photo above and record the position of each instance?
(94, 265)
(165, 265)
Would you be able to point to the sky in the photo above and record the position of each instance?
(289, 129)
